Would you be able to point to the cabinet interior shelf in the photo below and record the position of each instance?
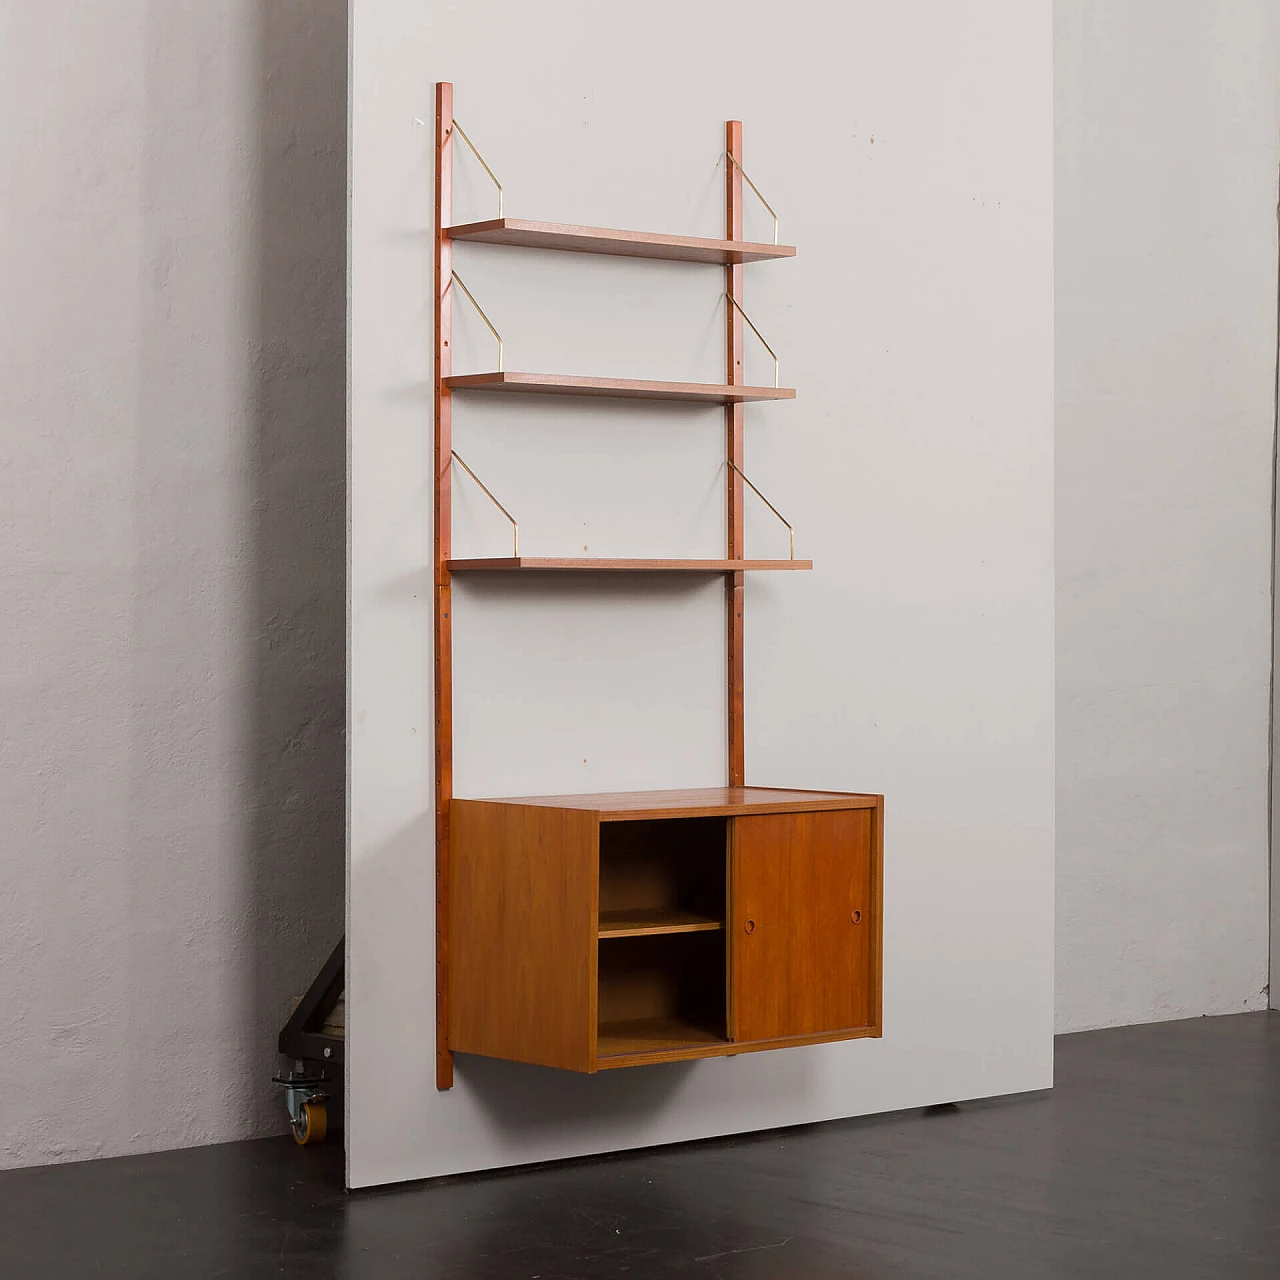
(642, 923)
(564, 384)
(623, 244)
(522, 564)
(643, 1038)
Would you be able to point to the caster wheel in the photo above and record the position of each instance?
(311, 1125)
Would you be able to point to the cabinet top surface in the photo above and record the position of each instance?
(622, 806)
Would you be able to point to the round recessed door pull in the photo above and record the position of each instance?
(856, 917)
(750, 926)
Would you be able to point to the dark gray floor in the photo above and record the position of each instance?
(1157, 1155)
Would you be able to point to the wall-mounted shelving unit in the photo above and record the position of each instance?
(600, 931)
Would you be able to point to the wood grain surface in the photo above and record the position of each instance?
(639, 923)
(523, 915)
(442, 583)
(735, 596)
(647, 1036)
(694, 802)
(521, 564)
(800, 924)
(565, 384)
(522, 233)
(677, 1040)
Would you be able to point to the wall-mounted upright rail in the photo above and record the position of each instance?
(443, 582)
(735, 542)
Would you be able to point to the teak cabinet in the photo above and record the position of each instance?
(599, 931)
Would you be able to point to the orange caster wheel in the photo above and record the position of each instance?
(311, 1124)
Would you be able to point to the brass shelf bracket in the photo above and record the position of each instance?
(515, 528)
(457, 279)
(763, 343)
(462, 133)
(791, 533)
(752, 185)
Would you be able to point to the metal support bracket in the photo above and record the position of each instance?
(791, 533)
(455, 278)
(455, 126)
(763, 343)
(729, 155)
(515, 528)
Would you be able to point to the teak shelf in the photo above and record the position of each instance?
(620, 244)
(642, 922)
(591, 932)
(560, 384)
(521, 564)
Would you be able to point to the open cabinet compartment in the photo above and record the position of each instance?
(661, 966)
(660, 993)
(662, 876)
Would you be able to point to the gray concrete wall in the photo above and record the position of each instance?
(1168, 148)
(172, 495)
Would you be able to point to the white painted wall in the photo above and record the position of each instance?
(908, 150)
(171, 560)
(1168, 148)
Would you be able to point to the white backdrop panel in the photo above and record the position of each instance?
(908, 149)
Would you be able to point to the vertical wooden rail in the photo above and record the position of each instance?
(735, 375)
(442, 495)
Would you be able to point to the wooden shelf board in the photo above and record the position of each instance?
(693, 802)
(628, 1044)
(564, 384)
(642, 924)
(653, 1035)
(520, 564)
(626, 244)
